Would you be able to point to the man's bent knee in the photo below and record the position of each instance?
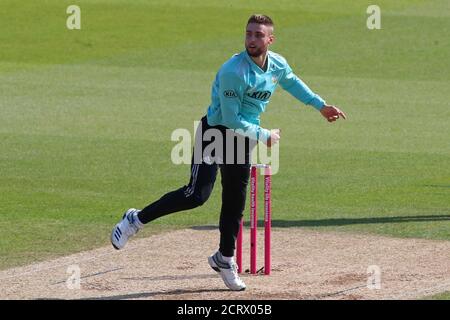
(199, 198)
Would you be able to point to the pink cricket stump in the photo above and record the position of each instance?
(254, 221)
(267, 219)
(253, 218)
(239, 247)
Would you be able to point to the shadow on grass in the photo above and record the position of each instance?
(352, 221)
(337, 221)
(437, 186)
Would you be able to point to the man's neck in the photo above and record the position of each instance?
(261, 61)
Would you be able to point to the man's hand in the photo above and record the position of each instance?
(274, 137)
(332, 113)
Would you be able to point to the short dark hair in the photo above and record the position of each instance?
(260, 19)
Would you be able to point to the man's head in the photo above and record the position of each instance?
(258, 35)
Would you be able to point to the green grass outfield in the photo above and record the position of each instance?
(442, 296)
(86, 116)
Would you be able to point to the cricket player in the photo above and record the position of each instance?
(240, 93)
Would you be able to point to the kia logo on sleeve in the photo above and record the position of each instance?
(230, 94)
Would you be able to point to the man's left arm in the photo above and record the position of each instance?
(297, 88)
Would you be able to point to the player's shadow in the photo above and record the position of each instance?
(351, 221)
(142, 295)
(173, 277)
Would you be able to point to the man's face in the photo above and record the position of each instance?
(258, 37)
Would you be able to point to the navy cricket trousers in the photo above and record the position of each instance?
(235, 172)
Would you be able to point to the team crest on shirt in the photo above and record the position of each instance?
(274, 79)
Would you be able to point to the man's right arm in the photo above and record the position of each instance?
(231, 95)
(297, 88)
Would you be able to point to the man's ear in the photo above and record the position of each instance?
(272, 39)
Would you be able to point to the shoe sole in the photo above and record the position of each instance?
(112, 241)
(112, 233)
(115, 247)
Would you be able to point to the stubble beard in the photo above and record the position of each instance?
(256, 53)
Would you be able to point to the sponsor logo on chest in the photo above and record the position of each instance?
(260, 95)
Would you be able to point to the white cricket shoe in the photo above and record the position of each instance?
(228, 272)
(126, 228)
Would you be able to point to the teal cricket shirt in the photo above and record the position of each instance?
(241, 92)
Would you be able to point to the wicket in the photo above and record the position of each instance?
(254, 221)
